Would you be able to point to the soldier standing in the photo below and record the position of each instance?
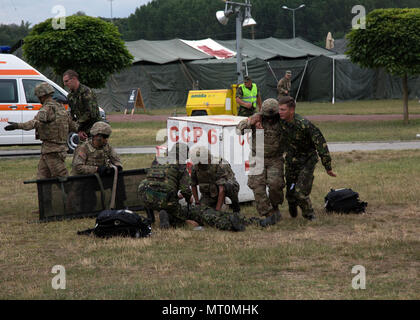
(83, 105)
(52, 125)
(273, 173)
(304, 141)
(159, 191)
(284, 85)
(96, 156)
(247, 97)
(215, 178)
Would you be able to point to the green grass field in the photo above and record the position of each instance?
(391, 106)
(294, 259)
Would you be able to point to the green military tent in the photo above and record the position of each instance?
(166, 70)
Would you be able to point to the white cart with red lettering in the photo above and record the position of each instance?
(218, 134)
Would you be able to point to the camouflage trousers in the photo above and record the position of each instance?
(231, 191)
(155, 200)
(299, 181)
(52, 165)
(272, 178)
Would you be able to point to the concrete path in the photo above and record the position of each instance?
(333, 146)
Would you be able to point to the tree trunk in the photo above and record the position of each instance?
(405, 98)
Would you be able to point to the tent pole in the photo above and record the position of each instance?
(301, 79)
(274, 75)
(333, 86)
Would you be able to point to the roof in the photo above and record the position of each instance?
(265, 49)
(12, 65)
(163, 51)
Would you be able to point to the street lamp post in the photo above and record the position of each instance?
(293, 10)
(235, 8)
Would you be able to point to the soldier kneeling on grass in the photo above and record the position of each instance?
(159, 191)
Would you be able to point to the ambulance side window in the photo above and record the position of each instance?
(8, 91)
(29, 86)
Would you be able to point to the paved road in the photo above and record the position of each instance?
(333, 146)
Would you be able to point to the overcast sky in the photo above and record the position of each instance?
(35, 11)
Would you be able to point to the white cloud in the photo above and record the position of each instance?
(14, 11)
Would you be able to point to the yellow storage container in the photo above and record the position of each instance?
(211, 102)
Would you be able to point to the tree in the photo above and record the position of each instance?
(391, 40)
(88, 45)
(12, 33)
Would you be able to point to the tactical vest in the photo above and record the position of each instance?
(207, 177)
(249, 95)
(98, 157)
(273, 142)
(57, 130)
(163, 177)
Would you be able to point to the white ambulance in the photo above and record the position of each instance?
(218, 134)
(18, 102)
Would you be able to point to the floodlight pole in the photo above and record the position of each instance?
(293, 10)
(239, 20)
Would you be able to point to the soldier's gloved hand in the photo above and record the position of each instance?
(11, 126)
(103, 170)
(254, 119)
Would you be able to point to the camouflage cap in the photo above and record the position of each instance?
(101, 127)
(43, 89)
(200, 154)
(270, 107)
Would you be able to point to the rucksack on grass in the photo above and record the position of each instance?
(344, 201)
(123, 223)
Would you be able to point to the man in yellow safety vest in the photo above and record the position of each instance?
(247, 97)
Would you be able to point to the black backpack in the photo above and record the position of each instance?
(123, 223)
(344, 201)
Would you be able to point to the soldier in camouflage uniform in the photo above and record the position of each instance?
(273, 172)
(284, 85)
(96, 156)
(159, 191)
(52, 125)
(83, 105)
(304, 141)
(215, 178)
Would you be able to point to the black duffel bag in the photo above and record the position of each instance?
(344, 201)
(124, 223)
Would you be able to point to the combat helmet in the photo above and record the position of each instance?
(200, 154)
(270, 108)
(101, 127)
(43, 89)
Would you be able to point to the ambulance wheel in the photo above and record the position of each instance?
(72, 142)
(198, 113)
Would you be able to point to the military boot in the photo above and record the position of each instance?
(164, 219)
(293, 210)
(237, 222)
(310, 216)
(270, 220)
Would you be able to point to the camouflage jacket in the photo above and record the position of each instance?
(304, 140)
(169, 178)
(87, 158)
(218, 173)
(84, 107)
(283, 85)
(274, 145)
(52, 125)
